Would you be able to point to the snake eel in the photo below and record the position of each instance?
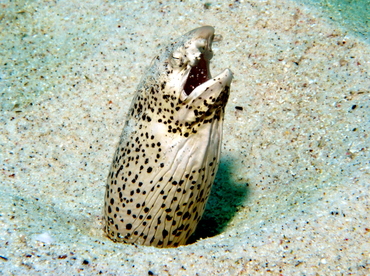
(168, 153)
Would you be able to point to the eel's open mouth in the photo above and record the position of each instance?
(198, 74)
(192, 58)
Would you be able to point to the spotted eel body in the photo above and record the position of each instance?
(169, 150)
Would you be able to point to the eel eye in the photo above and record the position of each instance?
(177, 59)
(176, 55)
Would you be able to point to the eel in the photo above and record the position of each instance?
(169, 150)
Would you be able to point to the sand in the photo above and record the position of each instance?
(292, 193)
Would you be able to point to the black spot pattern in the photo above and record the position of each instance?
(165, 162)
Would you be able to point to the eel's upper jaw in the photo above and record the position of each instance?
(202, 39)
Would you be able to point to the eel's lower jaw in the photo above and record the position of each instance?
(213, 86)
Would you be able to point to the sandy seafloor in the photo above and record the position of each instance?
(292, 193)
